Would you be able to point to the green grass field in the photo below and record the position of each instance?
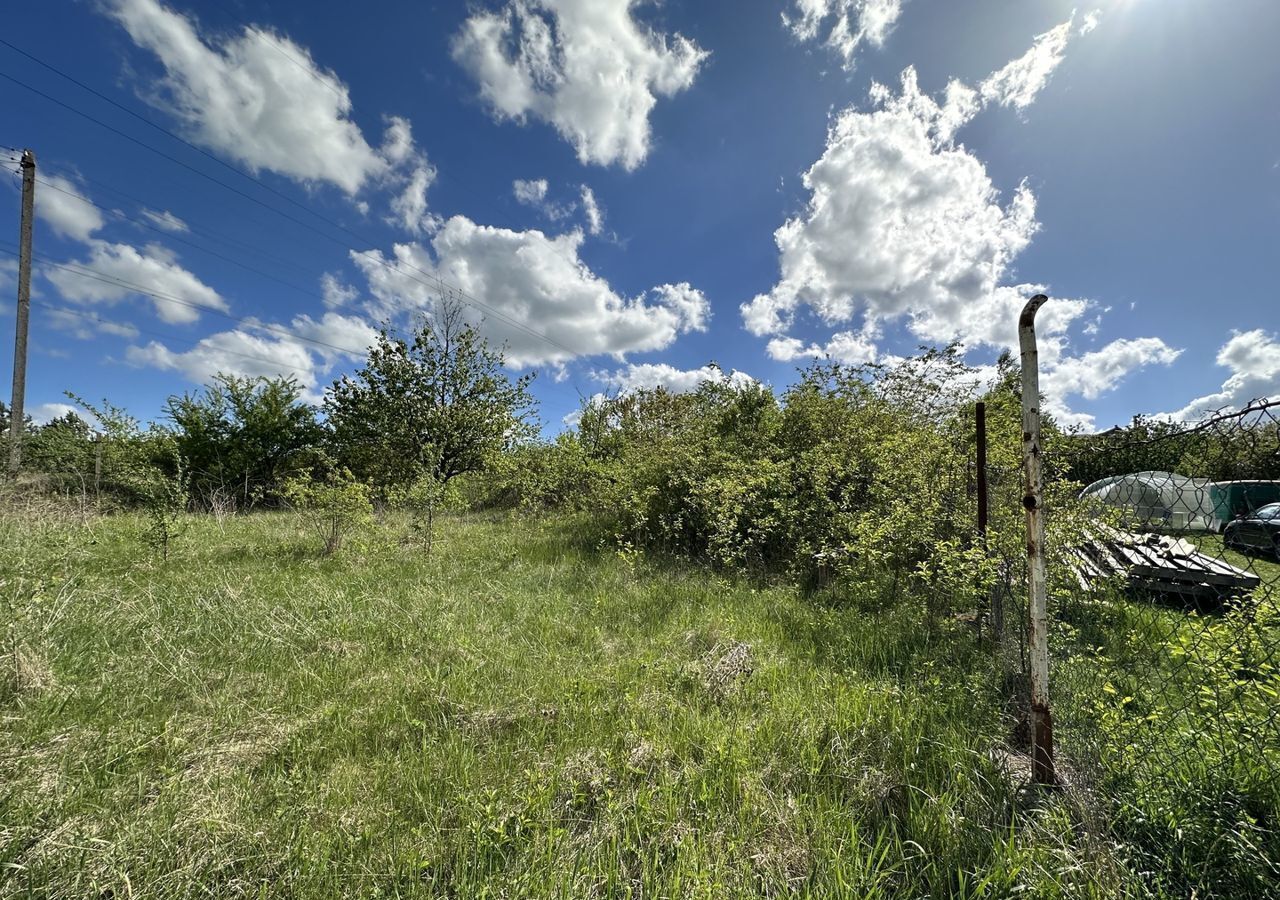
(517, 714)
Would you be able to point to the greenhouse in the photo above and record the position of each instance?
(1162, 500)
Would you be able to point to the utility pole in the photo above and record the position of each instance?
(1042, 771)
(16, 406)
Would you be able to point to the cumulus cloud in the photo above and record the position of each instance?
(410, 175)
(899, 220)
(1018, 82)
(1094, 373)
(259, 350)
(904, 223)
(120, 270)
(65, 209)
(165, 221)
(586, 67)
(47, 412)
(410, 205)
(336, 293)
(848, 24)
(527, 281)
(1253, 359)
(591, 211)
(850, 347)
(654, 375)
(85, 326)
(532, 192)
(256, 97)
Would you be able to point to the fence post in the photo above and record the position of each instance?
(1033, 502)
(996, 600)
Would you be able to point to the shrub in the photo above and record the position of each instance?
(334, 505)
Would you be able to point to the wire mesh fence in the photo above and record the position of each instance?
(1164, 574)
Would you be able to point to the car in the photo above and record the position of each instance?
(1258, 531)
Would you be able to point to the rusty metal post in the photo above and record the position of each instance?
(996, 601)
(1037, 587)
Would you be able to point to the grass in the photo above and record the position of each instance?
(514, 715)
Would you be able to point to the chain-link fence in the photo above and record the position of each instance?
(1163, 553)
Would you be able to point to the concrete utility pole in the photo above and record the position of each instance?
(1033, 501)
(16, 410)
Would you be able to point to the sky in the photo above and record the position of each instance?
(632, 194)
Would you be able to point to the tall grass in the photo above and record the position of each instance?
(514, 714)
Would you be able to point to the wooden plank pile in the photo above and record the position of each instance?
(1158, 563)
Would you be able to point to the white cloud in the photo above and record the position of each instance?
(336, 292)
(65, 209)
(165, 221)
(1092, 374)
(538, 282)
(1253, 358)
(532, 192)
(592, 211)
(254, 350)
(900, 220)
(411, 175)
(256, 97)
(1018, 83)
(47, 412)
(848, 347)
(653, 375)
(153, 268)
(398, 146)
(586, 67)
(1091, 21)
(87, 327)
(851, 23)
(904, 223)
(410, 205)
(688, 302)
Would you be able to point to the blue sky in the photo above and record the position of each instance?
(625, 192)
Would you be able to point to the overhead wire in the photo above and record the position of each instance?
(440, 284)
(115, 281)
(144, 205)
(170, 235)
(173, 339)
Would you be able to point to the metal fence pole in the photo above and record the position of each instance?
(1033, 501)
(995, 601)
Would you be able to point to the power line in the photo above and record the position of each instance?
(175, 237)
(97, 275)
(143, 119)
(440, 284)
(66, 310)
(145, 205)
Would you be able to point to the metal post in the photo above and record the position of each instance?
(17, 413)
(1033, 501)
(996, 601)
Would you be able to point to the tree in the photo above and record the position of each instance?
(242, 437)
(440, 405)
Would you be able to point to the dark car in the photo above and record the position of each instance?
(1258, 531)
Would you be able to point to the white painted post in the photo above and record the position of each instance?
(1033, 501)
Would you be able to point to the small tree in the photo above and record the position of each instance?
(440, 405)
(423, 499)
(242, 438)
(333, 504)
(164, 499)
